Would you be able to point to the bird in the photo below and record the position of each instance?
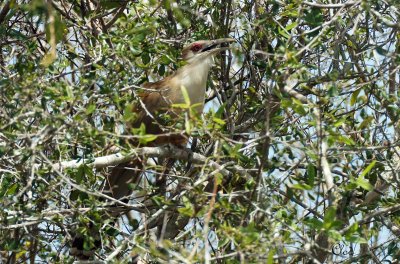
(156, 99)
(159, 97)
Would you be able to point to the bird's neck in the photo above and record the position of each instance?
(193, 76)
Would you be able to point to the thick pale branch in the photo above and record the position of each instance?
(158, 152)
(341, 5)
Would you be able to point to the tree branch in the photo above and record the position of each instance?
(167, 151)
(4, 12)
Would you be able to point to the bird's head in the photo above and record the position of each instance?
(203, 49)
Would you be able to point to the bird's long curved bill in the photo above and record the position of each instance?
(215, 45)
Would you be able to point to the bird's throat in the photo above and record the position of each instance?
(193, 77)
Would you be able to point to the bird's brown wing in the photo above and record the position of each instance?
(123, 177)
(153, 102)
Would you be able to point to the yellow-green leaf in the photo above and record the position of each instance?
(363, 183)
(181, 106)
(302, 186)
(219, 121)
(147, 138)
(90, 109)
(366, 122)
(354, 95)
(48, 58)
(185, 95)
(368, 169)
(271, 257)
(290, 26)
(188, 125)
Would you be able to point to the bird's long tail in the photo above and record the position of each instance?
(120, 184)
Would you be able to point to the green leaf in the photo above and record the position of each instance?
(300, 186)
(78, 195)
(21, 255)
(368, 169)
(88, 243)
(145, 58)
(140, 130)
(129, 115)
(393, 247)
(48, 58)
(220, 111)
(353, 228)
(13, 189)
(80, 174)
(219, 178)
(335, 235)
(351, 186)
(330, 214)
(161, 70)
(311, 174)
(218, 121)
(344, 139)
(147, 138)
(356, 239)
(333, 91)
(70, 94)
(366, 122)
(188, 125)
(270, 259)
(90, 109)
(352, 235)
(188, 208)
(354, 95)
(291, 26)
(363, 183)
(181, 106)
(314, 17)
(314, 223)
(381, 51)
(298, 107)
(329, 217)
(284, 34)
(185, 95)
(74, 195)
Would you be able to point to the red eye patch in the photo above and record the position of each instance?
(196, 47)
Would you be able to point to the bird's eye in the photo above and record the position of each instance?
(196, 47)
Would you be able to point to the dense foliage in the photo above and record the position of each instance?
(295, 158)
